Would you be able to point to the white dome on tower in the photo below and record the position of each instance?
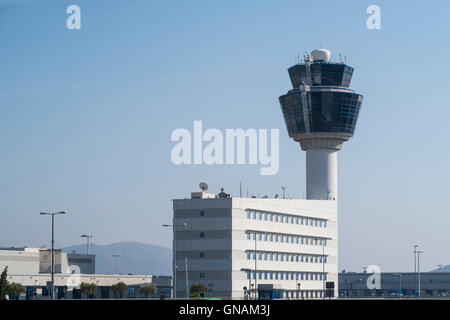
(321, 55)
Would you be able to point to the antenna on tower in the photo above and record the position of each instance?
(203, 186)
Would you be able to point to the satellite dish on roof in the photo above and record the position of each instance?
(203, 186)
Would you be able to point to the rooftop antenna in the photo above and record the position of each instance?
(284, 189)
(340, 58)
(345, 60)
(440, 267)
(240, 189)
(203, 186)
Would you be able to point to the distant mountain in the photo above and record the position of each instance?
(443, 269)
(135, 257)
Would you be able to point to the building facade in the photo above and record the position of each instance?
(245, 247)
(67, 285)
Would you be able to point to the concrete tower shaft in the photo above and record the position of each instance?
(320, 113)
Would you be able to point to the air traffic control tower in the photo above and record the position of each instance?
(320, 112)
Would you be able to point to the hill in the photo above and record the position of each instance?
(135, 257)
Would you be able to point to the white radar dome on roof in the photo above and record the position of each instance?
(321, 55)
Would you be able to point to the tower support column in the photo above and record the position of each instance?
(321, 174)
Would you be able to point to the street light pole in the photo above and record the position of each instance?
(256, 275)
(187, 279)
(323, 268)
(53, 250)
(418, 268)
(415, 269)
(174, 256)
(88, 236)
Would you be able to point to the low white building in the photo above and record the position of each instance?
(24, 260)
(285, 248)
(31, 268)
(67, 286)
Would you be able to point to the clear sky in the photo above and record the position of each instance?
(86, 116)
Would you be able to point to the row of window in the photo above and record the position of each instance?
(303, 294)
(288, 257)
(285, 238)
(281, 275)
(284, 218)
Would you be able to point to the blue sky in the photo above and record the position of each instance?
(86, 116)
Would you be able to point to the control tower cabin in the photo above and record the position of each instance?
(320, 112)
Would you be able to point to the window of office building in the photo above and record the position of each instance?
(202, 212)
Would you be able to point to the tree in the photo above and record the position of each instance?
(119, 289)
(89, 289)
(147, 289)
(197, 290)
(14, 290)
(3, 284)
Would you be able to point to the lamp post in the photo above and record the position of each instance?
(256, 273)
(53, 249)
(117, 256)
(400, 284)
(415, 269)
(418, 269)
(187, 277)
(174, 256)
(88, 236)
(323, 265)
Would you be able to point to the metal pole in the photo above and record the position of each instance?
(174, 260)
(415, 271)
(256, 276)
(418, 269)
(323, 268)
(53, 257)
(88, 244)
(187, 279)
